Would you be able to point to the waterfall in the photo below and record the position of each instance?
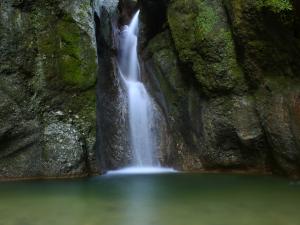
(138, 103)
(140, 106)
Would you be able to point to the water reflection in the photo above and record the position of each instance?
(141, 195)
(175, 199)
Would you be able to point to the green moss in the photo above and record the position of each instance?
(181, 18)
(264, 33)
(204, 42)
(206, 21)
(70, 56)
(275, 5)
(85, 104)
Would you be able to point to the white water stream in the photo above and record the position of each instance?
(140, 107)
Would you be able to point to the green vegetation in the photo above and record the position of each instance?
(66, 44)
(204, 41)
(275, 5)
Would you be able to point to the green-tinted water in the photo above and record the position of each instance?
(174, 199)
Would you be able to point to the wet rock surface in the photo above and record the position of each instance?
(112, 118)
(226, 75)
(47, 89)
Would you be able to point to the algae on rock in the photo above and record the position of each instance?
(240, 59)
(48, 70)
(204, 42)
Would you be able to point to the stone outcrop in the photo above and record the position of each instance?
(112, 135)
(47, 88)
(224, 75)
(229, 74)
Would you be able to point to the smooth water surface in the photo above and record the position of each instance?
(161, 199)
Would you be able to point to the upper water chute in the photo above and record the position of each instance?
(128, 57)
(133, 27)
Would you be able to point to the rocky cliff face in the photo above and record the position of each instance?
(229, 74)
(47, 88)
(224, 75)
(112, 125)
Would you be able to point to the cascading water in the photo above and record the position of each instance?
(140, 107)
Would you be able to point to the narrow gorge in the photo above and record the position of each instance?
(149, 112)
(214, 86)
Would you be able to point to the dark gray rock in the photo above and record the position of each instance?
(279, 113)
(233, 135)
(47, 89)
(225, 76)
(178, 101)
(112, 127)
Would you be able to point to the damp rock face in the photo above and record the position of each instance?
(226, 74)
(113, 146)
(47, 89)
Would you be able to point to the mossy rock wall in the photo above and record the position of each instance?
(231, 95)
(266, 38)
(224, 74)
(48, 74)
(204, 42)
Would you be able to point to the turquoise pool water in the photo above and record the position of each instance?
(162, 199)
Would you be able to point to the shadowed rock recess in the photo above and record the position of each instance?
(224, 75)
